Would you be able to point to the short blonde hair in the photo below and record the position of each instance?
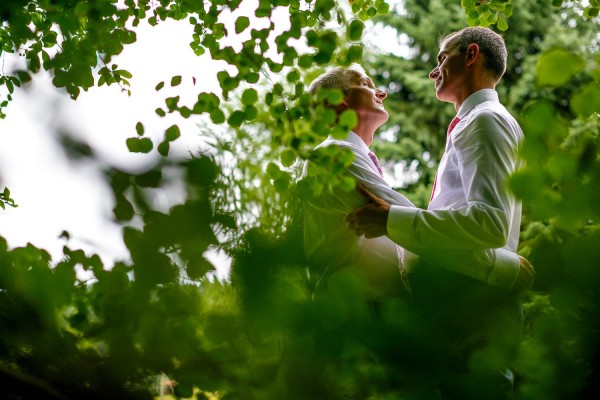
(337, 78)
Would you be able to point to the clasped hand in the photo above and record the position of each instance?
(371, 219)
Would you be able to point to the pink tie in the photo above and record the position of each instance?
(448, 132)
(373, 158)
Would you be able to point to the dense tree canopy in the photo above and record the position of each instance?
(262, 335)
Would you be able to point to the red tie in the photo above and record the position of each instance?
(448, 132)
(373, 158)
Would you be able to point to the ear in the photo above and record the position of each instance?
(472, 54)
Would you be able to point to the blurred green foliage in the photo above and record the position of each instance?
(76, 329)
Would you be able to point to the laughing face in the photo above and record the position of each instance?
(365, 98)
(450, 73)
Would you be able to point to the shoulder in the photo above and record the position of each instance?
(333, 144)
(492, 121)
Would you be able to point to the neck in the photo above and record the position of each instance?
(367, 125)
(471, 88)
(365, 133)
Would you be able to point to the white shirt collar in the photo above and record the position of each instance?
(354, 139)
(475, 99)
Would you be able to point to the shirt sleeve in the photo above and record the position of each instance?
(505, 269)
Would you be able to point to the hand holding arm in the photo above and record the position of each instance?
(371, 219)
(526, 276)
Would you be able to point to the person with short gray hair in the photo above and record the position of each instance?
(465, 306)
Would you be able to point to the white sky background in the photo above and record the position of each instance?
(55, 194)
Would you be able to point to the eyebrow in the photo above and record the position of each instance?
(445, 51)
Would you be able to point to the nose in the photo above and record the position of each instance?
(381, 94)
(434, 73)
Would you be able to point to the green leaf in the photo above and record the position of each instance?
(355, 29)
(252, 77)
(293, 76)
(335, 97)
(217, 116)
(383, 8)
(349, 119)
(139, 129)
(501, 24)
(236, 119)
(250, 96)
(288, 157)
(163, 148)
(273, 170)
(139, 145)
(241, 23)
(123, 209)
(149, 179)
(355, 53)
(305, 61)
(586, 100)
(171, 102)
(591, 12)
(281, 184)
(196, 268)
(172, 133)
(250, 112)
(557, 66)
(176, 80)
(123, 73)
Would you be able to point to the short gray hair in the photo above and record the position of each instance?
(337, 78)
(490, 44)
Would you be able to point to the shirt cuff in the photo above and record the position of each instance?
(400, 224)
(506, 269)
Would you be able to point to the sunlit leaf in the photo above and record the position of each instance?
(288, 157)
(557, 66)
(250, 96)
(586, 100)
(348, 119)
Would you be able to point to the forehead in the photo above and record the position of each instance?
(448, 44)
(356, 76)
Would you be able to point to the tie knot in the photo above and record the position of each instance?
(373, 158)
(453, 124)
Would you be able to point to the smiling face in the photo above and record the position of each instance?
(450, 74)
(364, 98)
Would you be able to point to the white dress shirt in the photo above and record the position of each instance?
(472, 208)
(328, 240)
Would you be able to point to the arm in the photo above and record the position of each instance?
(497, 267)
